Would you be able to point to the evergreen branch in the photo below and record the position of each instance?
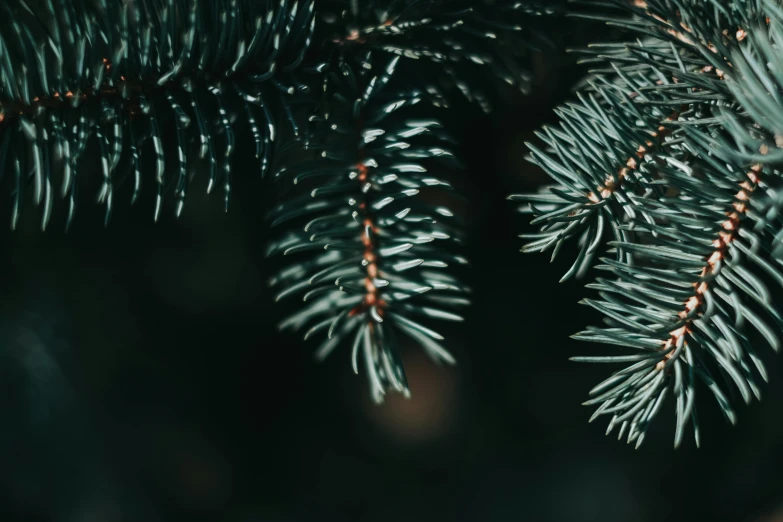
(376, 158)
(372, 255)
(119, 71)
(691, 271)
(459, 37)
(605, 142)
(686, 300)
(601, 158)
(752, 128)
(128, 74)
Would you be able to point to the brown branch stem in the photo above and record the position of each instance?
(730, 228)
(368, 235)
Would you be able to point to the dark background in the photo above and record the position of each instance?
(143, 379)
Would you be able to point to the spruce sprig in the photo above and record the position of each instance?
(371, 254)
(468, 46)
(754, 132)
(121, 72)
(374, 256)
(644, 158)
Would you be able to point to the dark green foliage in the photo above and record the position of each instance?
(666, 167)
(374, 256)
(123, 73)
(756, 130)
(643, 162)
(462, 45)
(160, 85)
(371, 247)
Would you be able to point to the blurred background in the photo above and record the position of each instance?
(143, 378)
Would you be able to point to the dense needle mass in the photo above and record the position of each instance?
(371, 254)
(118, 72)
(372, 258)
(645, 165)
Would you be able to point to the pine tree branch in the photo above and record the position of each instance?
(383, 249)
(374, 252)
(690, 274)
(451, 44)
(119, 71)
